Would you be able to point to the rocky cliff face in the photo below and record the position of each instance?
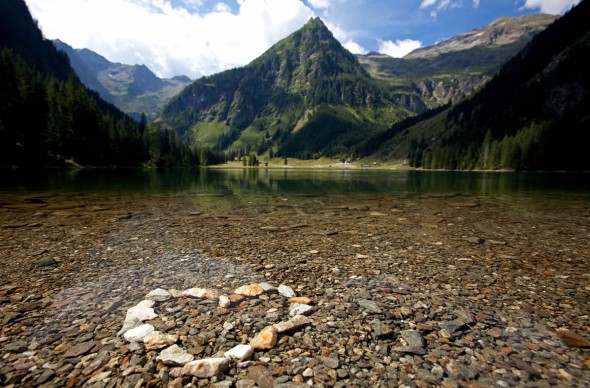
(450, 70)
(501, 32)
(437, 92)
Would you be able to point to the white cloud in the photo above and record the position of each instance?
(344, 37)
(442, 4)
(171, 41)
(354, 47)
(222, 7)
(323, 4)
(476, 3)
(399, 48)
(553, 7)
(427, 3)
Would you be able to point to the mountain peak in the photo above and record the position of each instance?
(314, 23)
(501, 32)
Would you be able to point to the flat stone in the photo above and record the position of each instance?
(573, 339)
(249, 290)
(261, 376)
(159, 340)
(292, 324)
(299, 309)
(197, 293)
(265, 340)
(369, 306)
(79, 349)
(175, 355)
(475, 240)
(205, 368)
(135, 316)
(46, 262)
(525, 366)
(16, 347)
(286, 291)
(240, 352)
(413, 338)
(380, 329)
(453, 326)
(138, 333)
(98, 377)
(300, 300)
(410, 349)
(267, 287)
(158, 295)
(332, 363)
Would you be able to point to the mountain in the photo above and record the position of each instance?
(452, 69)
(533, 115)
(134, 89)
(47, 117)
(306, 96)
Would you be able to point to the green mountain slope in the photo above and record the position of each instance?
(533, 115)
(47, 117)
(455, 68)
(306, 96)
(133, 89)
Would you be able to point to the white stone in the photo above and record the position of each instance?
(142, 311)
(158, 295)
(299, 309)
(195, 293)
(267, 287)
(137, 314)
(175, 355)
(138, 334)
(286, 291)
(239, 352)
(205, 368)
(224, 301)
(158, 340)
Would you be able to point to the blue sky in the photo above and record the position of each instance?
(202, 37)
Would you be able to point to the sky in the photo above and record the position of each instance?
(203, 37)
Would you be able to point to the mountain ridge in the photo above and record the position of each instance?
(135, 89)
(543, 125)
(271, 102)
(457, 67)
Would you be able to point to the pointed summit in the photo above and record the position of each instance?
(306, 85)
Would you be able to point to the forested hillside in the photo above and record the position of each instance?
(306, 96)
(48, 118)
(532, 116)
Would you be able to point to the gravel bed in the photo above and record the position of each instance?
(404, 291)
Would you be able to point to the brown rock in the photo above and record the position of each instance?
(300, 300)
(261, 375)
(573, 339)
(266, 339)
(292, 324)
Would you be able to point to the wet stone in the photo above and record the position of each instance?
(79, 349)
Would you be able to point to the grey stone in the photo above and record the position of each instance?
(79, 349)
(369, 306)
(413, 338)
(46, 262)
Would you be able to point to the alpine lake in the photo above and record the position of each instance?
(416, 278)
